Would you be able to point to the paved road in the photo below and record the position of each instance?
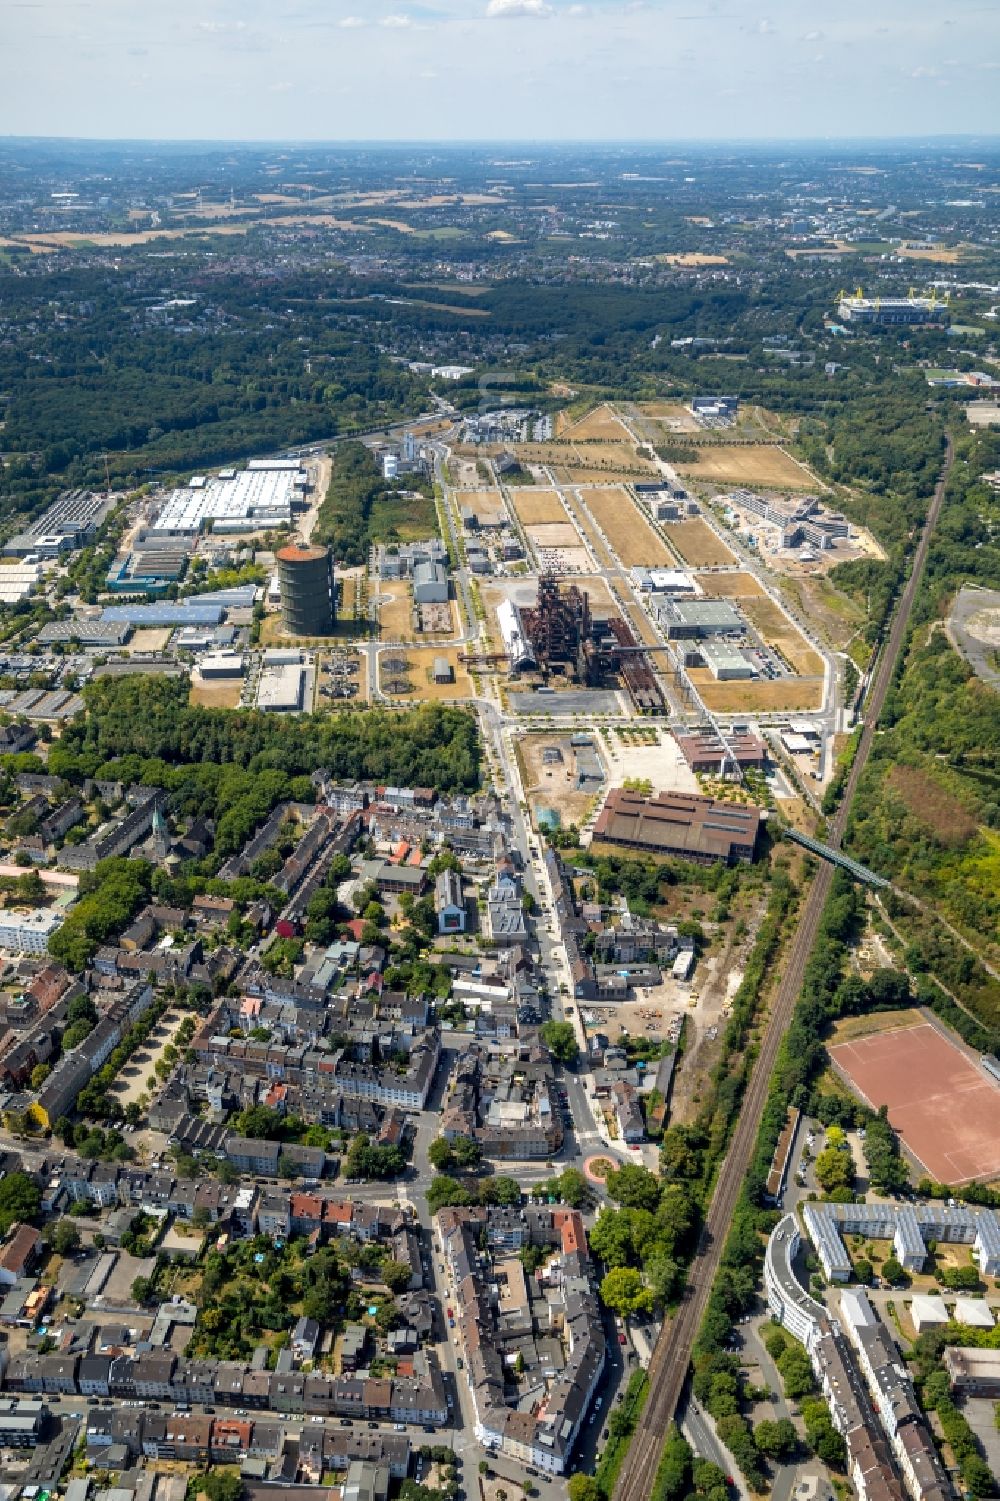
(672, 1356)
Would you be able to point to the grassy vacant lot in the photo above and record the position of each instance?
(599, 426)
(422, 675)
(927, 800)
(746, 464)
(697, 544)
(673, 414)
(217, 695)
(629, 533)
(778, 631)
(729, 585)
(536, 507)
(487, 504)
(752, 697)
(553, 534)
(850, 1028)
(399, 518)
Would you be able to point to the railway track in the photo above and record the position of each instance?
(671, 1358)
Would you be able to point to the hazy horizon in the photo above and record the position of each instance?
(479, 71)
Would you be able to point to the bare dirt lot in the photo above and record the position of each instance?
(778, 695)
(538, 507)
(629, 533)
(779, 633)
(697, 544)
(553, 784)
(747, 464)
(729, 585)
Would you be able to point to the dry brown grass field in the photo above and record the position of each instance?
(629, 533)
(395, 615)
(600, 595)
(553, 534)
(697, 544)
(620, 457)
(149, 638)
(936, 808)
(537, 507)
(747, 464)
(693, 258)
(597, 544)
(779, 632)
(600, 425)
(216, 695)
(421, 676)
(672, 413)
(729, 585)
(779, 696)
(487, 504)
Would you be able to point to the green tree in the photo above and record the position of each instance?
(65, 1237)
(634, 1186)
(20, 1200)
(834, 1170)
(560, 1039)
(776, 1439)
(582, 1487)
(623, 1291)
(796, 1372)
(396, 1275)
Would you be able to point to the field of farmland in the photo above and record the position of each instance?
(729, 585)
(779, 633)
(538, 507)
(697, 544)
(629, 533)
(746, 464)
(779, 695)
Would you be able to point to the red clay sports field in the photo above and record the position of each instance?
(944, 1107)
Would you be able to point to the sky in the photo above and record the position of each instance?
(339, 70)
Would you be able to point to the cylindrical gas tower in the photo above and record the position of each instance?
(305, 575)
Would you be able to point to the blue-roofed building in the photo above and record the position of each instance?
(239, 598)
(166, 614)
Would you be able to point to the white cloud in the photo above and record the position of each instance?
(396, 23)
(351, 23)
(222, 26)
(512, 10)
